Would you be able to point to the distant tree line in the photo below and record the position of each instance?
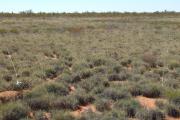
(28, 13)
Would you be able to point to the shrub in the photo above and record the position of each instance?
(7, 78)
(100, 69)
(174, 64)
(152, 91)
(126, 62)
(136, 90)
(161, 104)
(65, 77)
(114, 115)
(173, 111)
(85, 99)
(173, 96)
(118, 77)
(15, 112)
(118, 69)
(150, 58)
(115, 94)
(51, 73)
(76, 78)
(150, 115)
(57, 88)
(86, 74)
(39, 104)
(62, 115)
(22, 86)
(130, 107)
(3, 31)
(14, 31)
(104, 105)
(40, 116)
(152, 76)
(98, 62)
(69, 102)
(26, 74)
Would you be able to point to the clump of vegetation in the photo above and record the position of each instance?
(118, 77)
(150, 59)
(151, 115)
(115, 94)
(8, 78)
(152, 91)
(104, 105)
(130, 106)
(174, 64)
(15, 111)
(69, 102)
(58, 70)
(57, 89)
(39, 104)
(173, 111)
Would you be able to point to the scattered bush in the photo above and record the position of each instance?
(118, 77)
(39, 104)
(152, 76)
(173, 111)
(15, 112)
(113, 115)
(117, 69)
(26, 74)
(69, 102)
(150, 115)
(14, 31)
(152, 91)
(174, 64)
(125, 63)
(8, 78)
(76, 78)
(130, 107)
(150, 58)
(85, 99)
(22, 86)
(104, 105)
(51, 73)
(136, 90)
(115, 94)
(57, 88)
(173, 95)
(86, 74)
(62, 115)
(98, 62)
(3, 31)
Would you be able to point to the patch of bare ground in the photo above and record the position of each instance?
(82, 109)
(9, 95)
(31, 115)
(46, 116)
(72, 89)
(52, 57)
(171, 118)
(149, 103)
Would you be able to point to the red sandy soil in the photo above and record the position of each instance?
(171, 118)
(46, 116)
(129, 67)
(82, 109)
(149, 103)
(9, 95)
(53, 57)
(71, 89)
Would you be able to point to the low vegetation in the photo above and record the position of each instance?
(89, 66)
